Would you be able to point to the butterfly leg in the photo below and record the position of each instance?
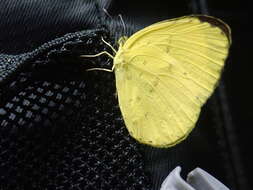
(114, 50)
(100, 69)
(102, 53)
(98, 54)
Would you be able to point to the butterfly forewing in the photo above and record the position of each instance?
(170, 69)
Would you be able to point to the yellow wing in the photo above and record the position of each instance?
(165, 73)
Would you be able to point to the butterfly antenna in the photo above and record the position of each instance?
(123, 23)
(106, 12)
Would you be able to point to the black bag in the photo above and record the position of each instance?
(60, 126)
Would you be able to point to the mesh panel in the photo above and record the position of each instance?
(61, 126)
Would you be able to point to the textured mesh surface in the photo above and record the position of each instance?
(51, 138)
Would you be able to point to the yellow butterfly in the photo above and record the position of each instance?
(165, 73)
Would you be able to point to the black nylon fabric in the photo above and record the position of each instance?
(25, 25)
(61, 127)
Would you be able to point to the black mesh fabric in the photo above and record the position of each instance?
(61, 127)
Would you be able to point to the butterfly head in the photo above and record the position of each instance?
(122, 41)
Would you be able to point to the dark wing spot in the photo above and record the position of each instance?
(129, 77)
(151, 90)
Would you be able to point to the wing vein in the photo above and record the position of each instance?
(147, 71)
(187, 60)
(192, 42)
(145, 55)
(196, 53)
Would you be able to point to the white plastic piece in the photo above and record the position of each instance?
(174, 181)
(201, 180)
(197, 179)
